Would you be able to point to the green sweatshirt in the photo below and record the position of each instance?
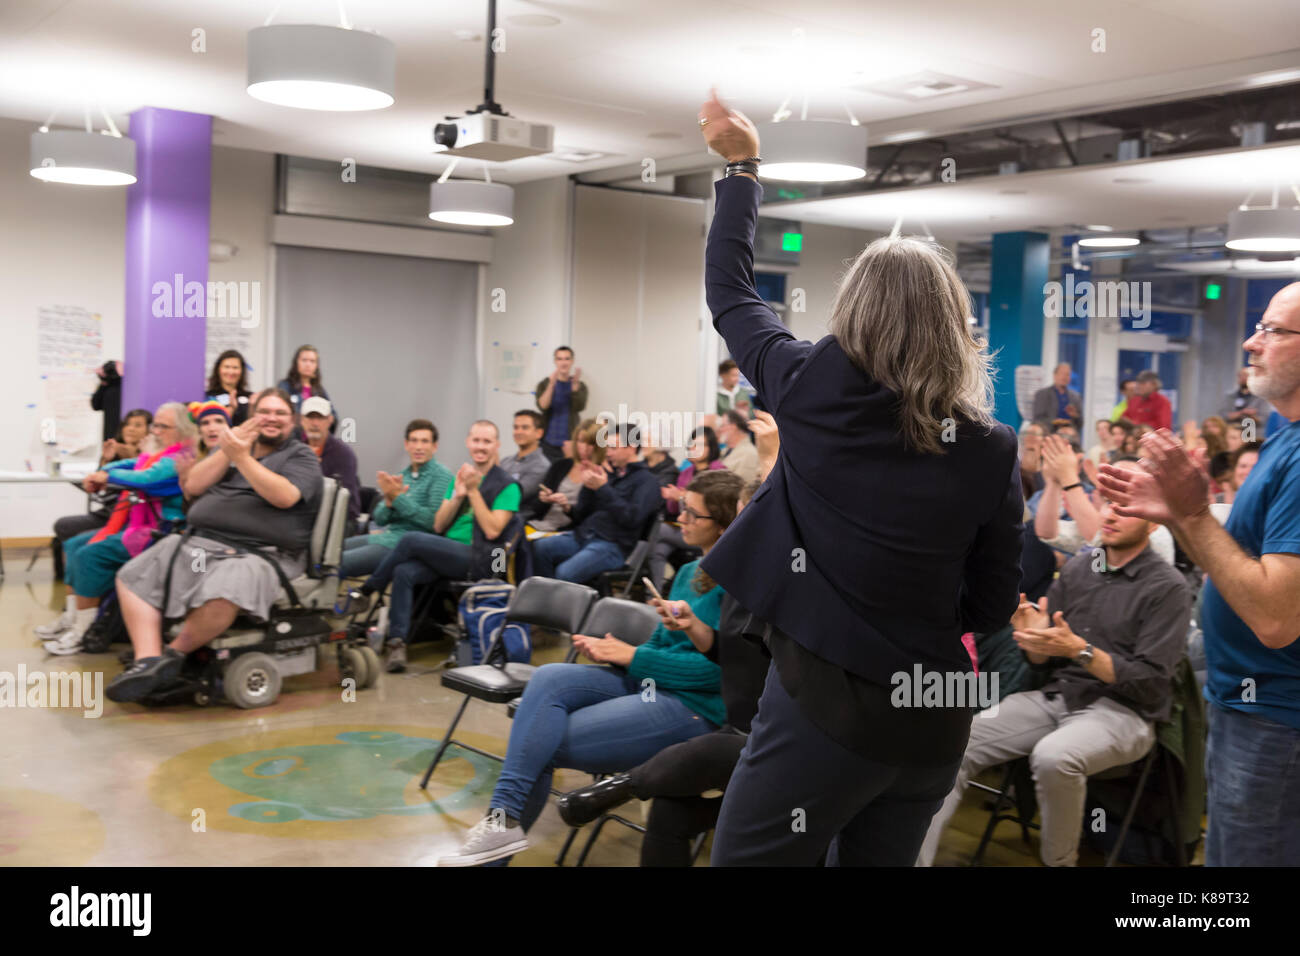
(671, 660)
(414, 510)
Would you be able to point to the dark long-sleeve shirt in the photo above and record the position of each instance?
(619, 510)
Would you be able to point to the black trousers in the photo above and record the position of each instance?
(797, 794)
(674, 778)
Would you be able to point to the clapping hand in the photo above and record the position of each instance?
(1059, 463)
(237, 442)
(594, 477)
(1055, 641)
(1029, 615)
(468, 478)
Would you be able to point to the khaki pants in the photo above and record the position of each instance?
(1064, 749)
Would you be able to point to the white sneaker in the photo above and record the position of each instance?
(488, 840)
(69, 642)
(55, 627)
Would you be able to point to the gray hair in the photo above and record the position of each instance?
(185, 427)
(901, 316)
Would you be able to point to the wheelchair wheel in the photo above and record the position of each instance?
(252, 680)
(354, 664)
(372, 662)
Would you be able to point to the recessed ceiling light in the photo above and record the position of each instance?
(577, 155)
(1129, 180)
(532, 20)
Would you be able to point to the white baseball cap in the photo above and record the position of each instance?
(317, 406)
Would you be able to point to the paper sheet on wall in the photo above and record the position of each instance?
(68, 420)
(1029, 379)
(68, 337)
(509, 369)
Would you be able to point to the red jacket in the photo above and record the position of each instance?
(1154, 410)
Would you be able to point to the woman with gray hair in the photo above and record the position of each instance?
(889, 528)
(152, 495)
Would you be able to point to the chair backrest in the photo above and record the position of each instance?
(323, 528)
(629, 621)
(640, 556)
(549, 602)
(338, 527)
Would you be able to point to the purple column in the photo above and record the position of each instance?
(167, 214)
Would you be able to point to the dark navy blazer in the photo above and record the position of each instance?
(871, 556)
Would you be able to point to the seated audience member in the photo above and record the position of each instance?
(558, 493)
(1148, 407)
(407, 502)
(561, 396)
(93, 557)
(730, 394)
(1127, 389)
(1114, 637)
(1241, 403)
(337, 460)
(1099, 453)
(1240, 464)
(473, 520)
(741, 457)
(125, 446)
(703, 454)
(1031, 446)
(661, 464)
(258, 492)
(529, 464)
(1070, 435)
(685, 780)
(604, 719)
(209, 416)
(616, 502)
(304, 378)
(228, 385)
(1118, 432)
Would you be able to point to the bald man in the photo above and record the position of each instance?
(1250, 611)
(1058, 404)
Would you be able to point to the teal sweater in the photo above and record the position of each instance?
(162, 471)
(671, 660)
(414, 510)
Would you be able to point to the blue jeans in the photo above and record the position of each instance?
(1253, 770)
(361, 556)
(561, 556)
(419, 558)
(584, 718)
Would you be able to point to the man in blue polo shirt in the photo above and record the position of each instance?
(1250, 607)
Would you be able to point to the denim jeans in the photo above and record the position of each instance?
(419, 558)
(361, 556)
(561, 556)
(584, 718)
(1253, 770)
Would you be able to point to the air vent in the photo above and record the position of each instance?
(919, 87)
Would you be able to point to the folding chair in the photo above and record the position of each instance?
(635, 566)
(546, 602)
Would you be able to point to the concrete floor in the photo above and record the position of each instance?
(311, 780)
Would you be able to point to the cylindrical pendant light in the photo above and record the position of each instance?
(1109, 241)
(466, 202)
(1264, 230)
(813, 151)
(83, 159)
(315, 67)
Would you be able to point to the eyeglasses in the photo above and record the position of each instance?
(688, 515)
(161, 427)
(1273, 331)
(275, 414)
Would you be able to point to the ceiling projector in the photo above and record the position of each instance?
(492, 137)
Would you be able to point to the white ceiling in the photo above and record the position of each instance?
(1143, 194)
(613, 72)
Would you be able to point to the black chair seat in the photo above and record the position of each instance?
(489, 683)
(512, 708)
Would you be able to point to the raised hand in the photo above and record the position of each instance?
(727, 132)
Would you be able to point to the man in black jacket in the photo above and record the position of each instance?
(617, 501)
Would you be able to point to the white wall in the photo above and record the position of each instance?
(827, 253)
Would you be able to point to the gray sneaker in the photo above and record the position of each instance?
(490, 839)
(396, 662)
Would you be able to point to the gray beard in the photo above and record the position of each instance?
(1272, 387)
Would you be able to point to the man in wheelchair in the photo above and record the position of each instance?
(254, 502)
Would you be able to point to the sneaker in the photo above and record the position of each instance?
(145, 676)
(396, 662)
(56, 627)
(69, 642)
(488, 840)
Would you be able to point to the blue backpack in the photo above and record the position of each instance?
(482, 615)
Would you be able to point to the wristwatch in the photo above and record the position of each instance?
(749, 165)
(1084, 657)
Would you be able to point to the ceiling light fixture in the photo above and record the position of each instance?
(466, 202)
(1108, 242)
(316, 67)
(1274, 228)
(83, 158)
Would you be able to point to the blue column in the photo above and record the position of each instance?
(167, 237)
(1016, 311)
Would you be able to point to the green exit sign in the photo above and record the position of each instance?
(1213, 291)
(792, 242)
